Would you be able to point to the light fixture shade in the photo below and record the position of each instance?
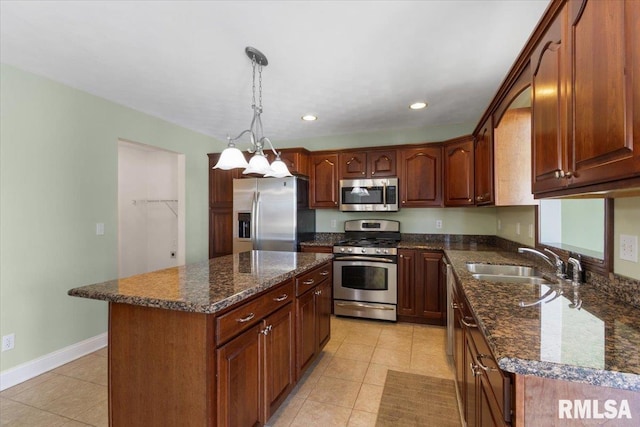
(231, 158)
(258, 164)
(278, 169)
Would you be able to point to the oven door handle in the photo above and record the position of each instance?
(360, 305)
(363, 258)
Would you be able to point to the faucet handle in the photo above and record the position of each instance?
(577, 270)
(560, 265)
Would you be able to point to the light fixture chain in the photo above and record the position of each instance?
(253, 85)
(260, 85)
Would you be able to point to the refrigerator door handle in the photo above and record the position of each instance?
(254, 219)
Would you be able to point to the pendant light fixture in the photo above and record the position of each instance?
(232, 157)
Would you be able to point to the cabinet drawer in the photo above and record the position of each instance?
(311, 279)
(500, 383)
(237, 320)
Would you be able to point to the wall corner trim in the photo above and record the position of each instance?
(35, 367)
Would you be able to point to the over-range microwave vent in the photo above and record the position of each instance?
(369, 195)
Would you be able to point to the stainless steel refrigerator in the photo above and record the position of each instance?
(271, 214)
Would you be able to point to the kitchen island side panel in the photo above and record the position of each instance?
(161, 366)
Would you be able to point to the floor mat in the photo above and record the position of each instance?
(417, 400)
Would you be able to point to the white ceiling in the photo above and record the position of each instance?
(356, 64)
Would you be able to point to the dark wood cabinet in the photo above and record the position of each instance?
(317, 249)
(483, 166)
(585, 98)
(367, 164)
(296, 159)
(420, 176)
(279, 360)
(239, 380)
(220, 208)
(323, 181)
(484, 389)
(313, 314)
(421, 297)
(459, 172)
(353, 165)
(549, 109)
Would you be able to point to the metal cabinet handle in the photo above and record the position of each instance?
(482, 365)
(324, 273)
(246, 319)
(266, 330)
(455, 306)
(281, 298)
(474, 369)
(466, 322)
(318, 292)
(308, 282)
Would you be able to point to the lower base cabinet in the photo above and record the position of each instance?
(313, 314)
(421, 290)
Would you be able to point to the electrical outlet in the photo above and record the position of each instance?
(531, 231)
(334, 223)
(629, 248)
(518, 228)
(100, 229)
(438, 223)
(8, 342)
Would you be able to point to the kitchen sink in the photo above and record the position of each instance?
(531, 280)
(501, 269)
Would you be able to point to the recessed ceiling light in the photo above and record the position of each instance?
(309, 118)
(418, 105)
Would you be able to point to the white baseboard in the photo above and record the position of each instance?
(35, 367)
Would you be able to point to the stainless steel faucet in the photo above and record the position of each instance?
(577, 270)
(559, 265)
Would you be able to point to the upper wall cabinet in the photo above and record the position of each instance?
(323, 180)
(586, 92)
(371, 164)
(296, 159)
(420, 176)
(459, 172)
(483, 153)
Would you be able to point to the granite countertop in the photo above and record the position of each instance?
(208, 286)
(596, 344)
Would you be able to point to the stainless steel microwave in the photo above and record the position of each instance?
(369, 195)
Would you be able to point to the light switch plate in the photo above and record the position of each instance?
(629, 247)
(100, 229)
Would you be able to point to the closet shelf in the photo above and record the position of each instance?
(165, 201)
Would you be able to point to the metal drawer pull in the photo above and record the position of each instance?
(318, 292)
(324, 273)
(455, 306)
(467, 323)
(309, 282)
(483, 366)
(246, 319)
(281, 298)
(356, 305)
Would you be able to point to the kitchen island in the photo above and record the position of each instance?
(220, 342)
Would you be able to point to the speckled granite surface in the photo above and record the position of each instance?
(208, 286)
(596, 344)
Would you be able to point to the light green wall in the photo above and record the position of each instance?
(509, 216)
(626, 221)
(583, 224)
(58, 159)
(480, 221)
(373, 139)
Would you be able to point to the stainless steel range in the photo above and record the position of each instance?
(365, 270)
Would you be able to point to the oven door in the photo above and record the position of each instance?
(365, 279)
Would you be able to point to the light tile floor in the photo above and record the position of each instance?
(342, 388)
